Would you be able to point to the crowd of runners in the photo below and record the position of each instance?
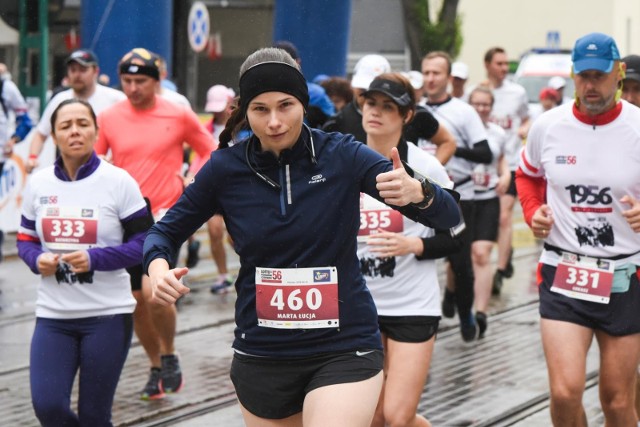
(339, 196)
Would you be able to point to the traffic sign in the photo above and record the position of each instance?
(198, 26)
(553, 39)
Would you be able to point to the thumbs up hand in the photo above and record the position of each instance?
(632, 215)
(396, 187)
(395, 158)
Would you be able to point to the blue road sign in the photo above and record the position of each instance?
(198, 26)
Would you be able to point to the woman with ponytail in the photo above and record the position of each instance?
(307, 347)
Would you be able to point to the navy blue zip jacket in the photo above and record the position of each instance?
(311, 221)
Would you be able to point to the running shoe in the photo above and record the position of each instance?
(193, 256)
(152, 390)
(468, 328)
(481, 320)
(171, 374)
(496, 287)
(508, 270)
(221, 287)
(449, 304)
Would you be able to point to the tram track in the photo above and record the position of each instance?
(514, 416)
(206, 399)
(534, 407)
(447, 332)
(190, 412)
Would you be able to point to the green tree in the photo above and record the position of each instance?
(425, 35)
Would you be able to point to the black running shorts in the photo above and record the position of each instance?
(487, 220)
(512, 191)
(412, 329)
(619, 317)
(276, 388)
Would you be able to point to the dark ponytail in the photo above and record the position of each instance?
(236, 122)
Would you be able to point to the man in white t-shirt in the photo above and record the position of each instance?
(511, 112)
(578, 186)
(472, 147)
(82, 73)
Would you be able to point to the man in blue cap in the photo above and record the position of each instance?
(578, 186)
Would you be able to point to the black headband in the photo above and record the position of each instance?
(140, 61)
(272, 77)
(147, 70)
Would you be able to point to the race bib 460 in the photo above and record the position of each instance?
(297, 298)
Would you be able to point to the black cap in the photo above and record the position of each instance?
(84, 57)
(393, 90)
(633, 67)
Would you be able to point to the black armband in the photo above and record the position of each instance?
(480, 153)
(439, 246)
(139, 224)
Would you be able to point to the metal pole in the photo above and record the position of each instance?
(192, 80)
(22, 50)
(192, 73)
(43, 9)
(38, 42)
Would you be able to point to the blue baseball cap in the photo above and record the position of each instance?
(595, 51)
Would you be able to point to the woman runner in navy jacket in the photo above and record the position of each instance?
(307, 335)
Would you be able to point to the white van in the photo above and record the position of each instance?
(535, 69)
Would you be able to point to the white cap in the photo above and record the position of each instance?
(557, 82)
(218, 97)
(368, 68)
(415, 78)
(460, 70)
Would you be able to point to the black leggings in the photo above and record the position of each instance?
(462, 265)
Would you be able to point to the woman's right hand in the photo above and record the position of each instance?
(48, 263)
(166, 287)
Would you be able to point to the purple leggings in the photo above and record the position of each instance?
(98, 347)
